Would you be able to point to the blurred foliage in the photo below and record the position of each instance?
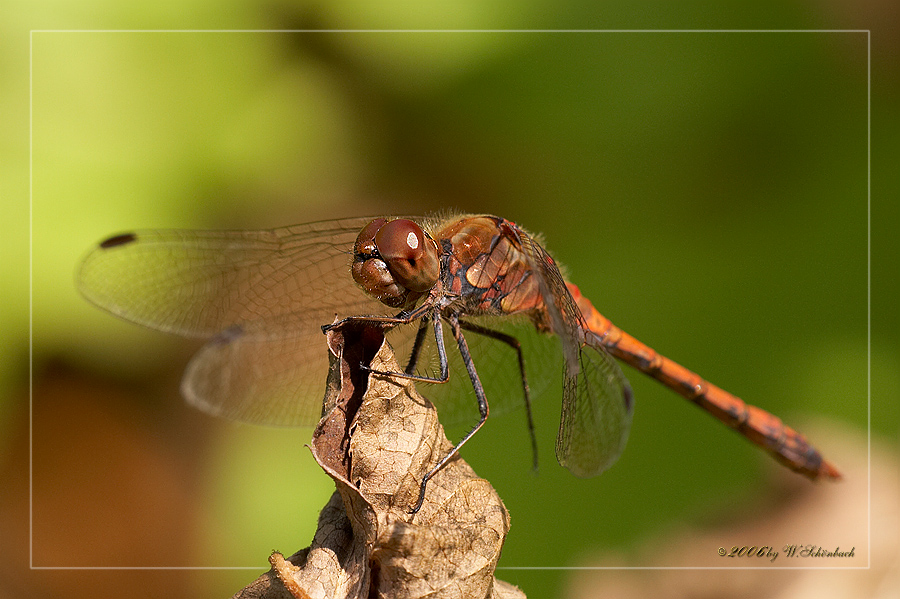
(708, 191)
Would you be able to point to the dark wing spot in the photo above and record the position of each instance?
(118, 240)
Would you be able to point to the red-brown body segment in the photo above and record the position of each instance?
(762, 428)
(487, 269)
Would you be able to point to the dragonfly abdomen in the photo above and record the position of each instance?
(759, 426)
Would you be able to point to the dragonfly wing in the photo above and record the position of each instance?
(199, 283)
(596, 414)
(260, 297)
(275, 381)
(597, 403)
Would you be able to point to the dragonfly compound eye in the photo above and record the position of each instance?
(410, 254)
(371, 272)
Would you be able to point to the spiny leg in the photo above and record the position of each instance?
(442, 356)
(513, 343)
(483, 408)
(385, 322)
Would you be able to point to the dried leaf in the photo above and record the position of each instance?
(377, 440)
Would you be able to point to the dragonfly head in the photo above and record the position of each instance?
(393, 260)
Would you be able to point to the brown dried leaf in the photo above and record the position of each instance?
(377, 440)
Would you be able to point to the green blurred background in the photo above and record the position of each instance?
(708, 191)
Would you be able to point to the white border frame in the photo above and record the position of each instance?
(257, 567)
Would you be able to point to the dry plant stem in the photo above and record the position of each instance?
(377, 440)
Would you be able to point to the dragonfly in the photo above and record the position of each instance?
(262, 299)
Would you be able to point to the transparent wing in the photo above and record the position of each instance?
(497, 365)
(276, 381)
(597, 403)
(261, 298)
(596, 414)
(199, 283)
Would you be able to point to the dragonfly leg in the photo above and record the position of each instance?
(383, 321)
(442, 355)
(417, 347)
(513, 343)
(387, 322)
(483, 408)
